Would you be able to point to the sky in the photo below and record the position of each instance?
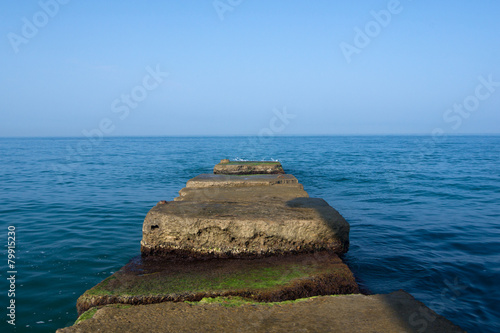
(240, 67)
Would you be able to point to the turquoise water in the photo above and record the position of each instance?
(424, 215)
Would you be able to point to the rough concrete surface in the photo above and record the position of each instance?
(208, 180)
(243, 193)
(397, 312)
(226, 167)
(227, 228)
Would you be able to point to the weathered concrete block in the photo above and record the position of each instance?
(226, 167)
(393, 313)
(282, 192)
(210, 180)
(147, 280)
(234, 229)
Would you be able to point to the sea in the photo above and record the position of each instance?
(424, 213)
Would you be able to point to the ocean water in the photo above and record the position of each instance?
(424, 214)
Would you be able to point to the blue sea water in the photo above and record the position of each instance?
(424, 214)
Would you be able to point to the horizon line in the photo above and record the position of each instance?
(243, 135)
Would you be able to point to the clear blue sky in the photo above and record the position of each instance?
(226, 76)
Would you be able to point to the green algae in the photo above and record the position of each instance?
(231, 301)
(267, 279)
(234, 301)
(86, 315)
(102, 288)
(91, 312)
(261, 278)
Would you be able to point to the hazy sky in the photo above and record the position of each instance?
(244, 67)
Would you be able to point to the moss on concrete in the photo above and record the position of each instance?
(158, 283)
(103, 286)
(270, 279)
(86, 315)
(90, 313)
(232, 301)
(346, 313)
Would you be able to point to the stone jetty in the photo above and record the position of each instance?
(245, 249)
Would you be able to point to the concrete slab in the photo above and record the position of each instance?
(243, 193)
(396, 312)
(237, 229)
(208, 180)
(226, 167)
(147, 280)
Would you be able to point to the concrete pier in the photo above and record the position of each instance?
(243, 215)
(245, 249)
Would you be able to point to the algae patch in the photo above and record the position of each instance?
(269, 279)
(90, 313)
(239, 301)
(192, 281)
(86, 315)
